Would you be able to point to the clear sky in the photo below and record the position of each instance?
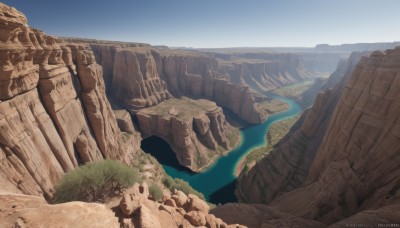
(218, 23)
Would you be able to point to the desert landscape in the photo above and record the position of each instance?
(102, 133)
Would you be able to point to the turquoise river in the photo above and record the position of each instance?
(218, 181)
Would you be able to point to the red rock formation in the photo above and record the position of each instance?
(177, 210)
(134, 209)
(31, 211)
(53, 110)
(196, 75)
(136, 83)
(352, 169)
(195, 129)
(286, 167)
(153, 74)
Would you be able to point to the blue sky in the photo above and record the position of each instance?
(218, 23)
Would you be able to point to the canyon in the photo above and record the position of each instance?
(54, 110)
(66, 102)
(338, 164)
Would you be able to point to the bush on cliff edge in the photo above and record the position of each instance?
(96, 181)
(155, 191)
(180, 185)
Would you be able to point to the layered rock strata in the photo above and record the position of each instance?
(353, 172)
(143, 76)
(196, 130)
(265, 71)
(286, 167)
(54, 114)
(136, 82)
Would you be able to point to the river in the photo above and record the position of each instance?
(218, 181)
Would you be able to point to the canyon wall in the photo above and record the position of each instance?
(286, 167)
(345, 164)
(265, 71)
(196, 130)
(144, 76)
(355, 167)
(54, 114)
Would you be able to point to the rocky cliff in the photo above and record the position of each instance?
(265, 71)
(134, 209)
(54, 114)
(141, 76)
(340, 163)
(355, 166)
(286, 167)
(196, 130)
(136, 82)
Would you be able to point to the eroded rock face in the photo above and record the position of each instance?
(134, 210)
(136, 82)
(54, 113)
(145, 76)
(195, 129)
(31, 211)
(198, 77)
(177, 210)
(286, 167)
(352, 170)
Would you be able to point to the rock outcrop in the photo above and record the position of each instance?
(134, 209)
(350, 170)
(286, 167)
(178, 210)
(196, 130)
(32, 211)
(136, 83)
(54, 114)
(141, 76)
(197, 76)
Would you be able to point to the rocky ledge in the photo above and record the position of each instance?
(135, 209)
(196, 130)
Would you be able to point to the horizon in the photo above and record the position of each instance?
(222, 24)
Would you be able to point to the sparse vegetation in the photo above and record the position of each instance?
(271, 106)
(180, 185)
(275, 133)
(294, 90)
(95, 182)
(155, 191)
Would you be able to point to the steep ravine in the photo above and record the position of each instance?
(293, 155)
(338, 164)
(143, 76)
(55, 116)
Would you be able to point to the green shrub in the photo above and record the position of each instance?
(181, 185)
(169, 182)
(95, 181)
(155, 191)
